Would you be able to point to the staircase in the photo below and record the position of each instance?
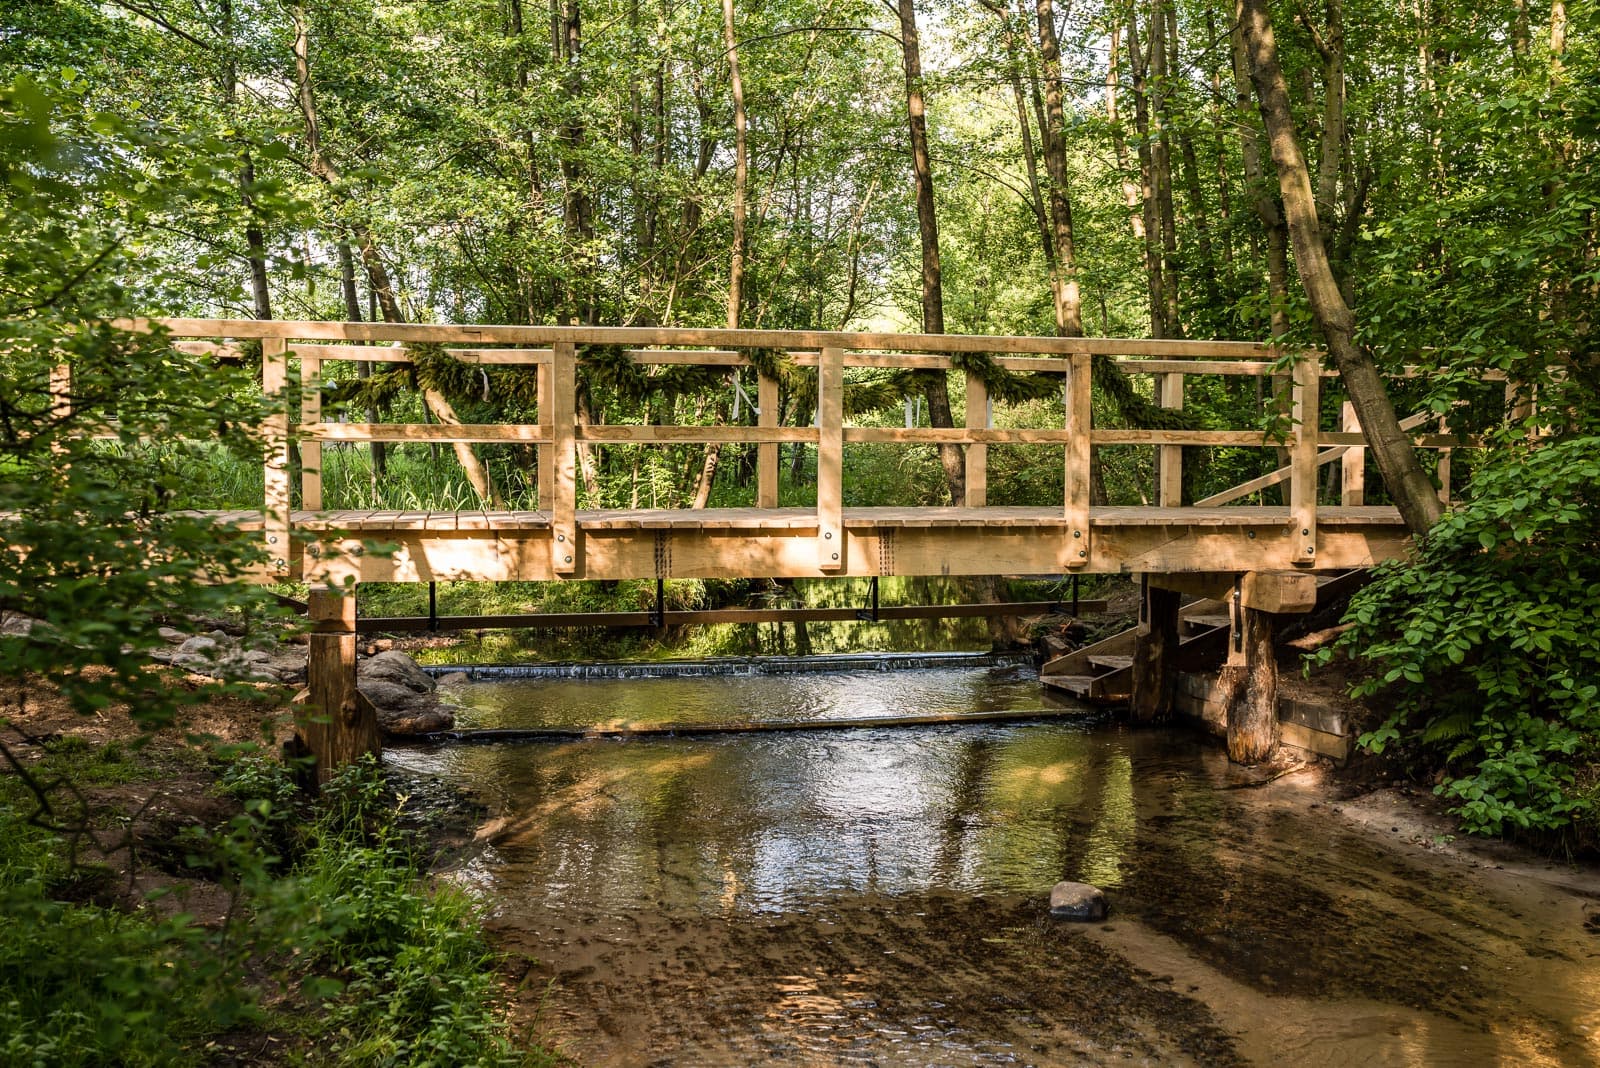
(1103, 672)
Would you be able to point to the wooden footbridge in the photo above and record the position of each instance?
(1218, 538)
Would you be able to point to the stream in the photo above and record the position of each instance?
(878, 896)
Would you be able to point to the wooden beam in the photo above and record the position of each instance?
(1079, 415)
(1288, 592)
(546, 452)
(435, 432)
(565, 548)
(830, 460)
(1169, 458)
(1303, 459)
(275, 434)
(310, 419)
(977, 452)
(335, 725)
(1155, 652)
(768, 403)
(1353, 462)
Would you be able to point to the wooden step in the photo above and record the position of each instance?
(1085, 686)
(1115, 663)
(1206, 621)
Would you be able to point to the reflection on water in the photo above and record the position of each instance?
(874, 896)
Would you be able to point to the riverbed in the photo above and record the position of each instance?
(878, 896)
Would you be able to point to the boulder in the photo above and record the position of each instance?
(454, 678)
(198, 645)
(396, 667)
(15, 624)
(1077, 901)
(172, 635)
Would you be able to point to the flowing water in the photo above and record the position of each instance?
(877, 897)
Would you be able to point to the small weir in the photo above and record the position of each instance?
(877, 896)
(725, 667)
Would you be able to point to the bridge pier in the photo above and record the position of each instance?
(334, 723)
(1155, 653)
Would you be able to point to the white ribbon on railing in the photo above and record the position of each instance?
(913, 411)
(988, 412)
(739, 395)
(485, 374)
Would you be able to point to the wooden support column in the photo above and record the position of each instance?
(310, 449)
(977, 453)
(335, 724)
(275, 431)
(1079, 416)
(1169, 458)
(545, 457)
(563, 467)
(1248, 684)
(1444, 463)
(830, 459)
(1353, 464)
(1303, 460)
(767, 451)
(1155, 653)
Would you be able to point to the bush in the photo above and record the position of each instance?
(1487, 649)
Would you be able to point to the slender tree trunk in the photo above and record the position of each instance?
(1161, 164)
(1407, 482)
(1119, 144)
(935, 387)
(1064, 278)
(1261, 198)
(377, 273)
(352, 312)
(1154, 282)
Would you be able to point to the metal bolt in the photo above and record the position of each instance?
(1250, 534)
(1311, 550)
(1077, 533)
(272, 539)
(569, 559)
(1305, 532)
(1083, 552)
(827, 535)
(836, 556)
(561, 537)
(279, 564)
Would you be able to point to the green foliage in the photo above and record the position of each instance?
(1485, 647)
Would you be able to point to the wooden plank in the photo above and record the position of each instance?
(1443, 469)
(437, 432)
(1169, 458)
(723, 338)
(275, 433)
(545, 456)
(977, 452)
(1353, 465)
(565, 547)
(1421, 441)
(400, 354)
(1303, 459)
(767, 403)
(652, 434)
(334, 725)
(310, 419)
(1079, 416)
(830, 460)
(1182, 437)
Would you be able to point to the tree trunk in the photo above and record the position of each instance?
(1154, 282)
(1064, 277)
(1261, 198)
(1119, 144)
(1249, 687)
(1161, 165)
(1407, 482)
(934, 385)
(352, 312)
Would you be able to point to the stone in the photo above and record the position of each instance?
(197, 645)
(395, 667)
(402, 710)
(416, 721)
(15, 624)
(257, 656)
(1079, 902)
(172, 634)
(454, 678)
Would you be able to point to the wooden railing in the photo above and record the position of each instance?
(553, 352)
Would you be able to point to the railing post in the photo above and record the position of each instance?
(564, 544)
(1078, 450)
(1303, 460)
(1444, 463)
(336, 725)
(1169, 484)
(767, 451)
(275, 433)
(830, 459)
(545, 456)
(1353, 464)
(310, 450)
(977, 452)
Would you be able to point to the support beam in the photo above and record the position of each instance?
(334, 724)
(977, 453)
(1303, 459)
(1169, 458)
(275, 432)
(1289, 592)
(564, 546)
(767, 402)
(1075, 550)
(1155, 653)
(830, 460)
(310, 449)
(1249, 687)
(546, 454)
(1353, 464)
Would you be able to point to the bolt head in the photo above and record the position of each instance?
(1083, 552)
(1077, 533)
(561, 537)
(1305, 532)
(569, 559)
(836, 556)
(827, 535)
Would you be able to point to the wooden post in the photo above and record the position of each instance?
(564, 484)
(1169, 458)
(1079, 415)
(275, 431)
(1155, 651)
(335, 724)
(1353, 464)
(830, 459)
(1444, 463)
(977, 452)
(1303, 460)
(767, 451)
(310, 451)
(1249, 687)
(545, 457)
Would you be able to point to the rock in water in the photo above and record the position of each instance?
(396, 667)
(402, 694)
(1077, 901)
